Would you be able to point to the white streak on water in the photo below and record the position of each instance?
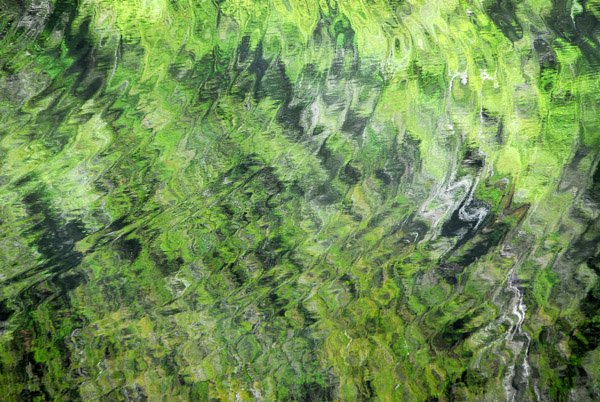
(518, 309)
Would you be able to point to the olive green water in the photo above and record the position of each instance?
(299, 200)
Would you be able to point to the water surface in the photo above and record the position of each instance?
(305, 200)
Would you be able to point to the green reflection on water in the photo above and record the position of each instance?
(299, 200)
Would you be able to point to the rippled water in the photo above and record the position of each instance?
(299, 200)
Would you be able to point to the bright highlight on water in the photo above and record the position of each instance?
(299, 200)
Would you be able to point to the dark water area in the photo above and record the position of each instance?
(294, 200)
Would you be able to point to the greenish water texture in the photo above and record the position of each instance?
(299, 200)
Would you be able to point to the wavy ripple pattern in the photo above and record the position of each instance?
(299, 200)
